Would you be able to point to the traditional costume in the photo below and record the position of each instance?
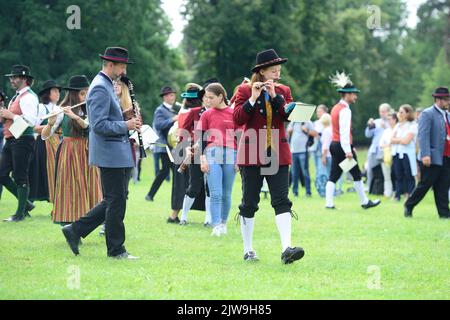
(17, 152)
(342, 144)
(261, 120)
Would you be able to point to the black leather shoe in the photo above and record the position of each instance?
(371, 204)
(30, 206)
(14, 218)
(407, 212)
(72, 238)
(149, 198)
(292, 254)
(331, 208)
(176, 220)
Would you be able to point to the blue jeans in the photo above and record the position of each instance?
(220, 178)
(300, 162)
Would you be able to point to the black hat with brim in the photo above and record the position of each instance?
(116, 54)
(441, 92)
(267, 58)
(20, 71)
(48, 85)
(78, 83)
(166, 90)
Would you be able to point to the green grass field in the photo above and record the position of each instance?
(350, 254)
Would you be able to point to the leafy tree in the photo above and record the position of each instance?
(35, 33)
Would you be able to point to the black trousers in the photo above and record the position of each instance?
(16, 157)
(252, 181)
(337, 156)
(196, 181)
(111, 210)
(162, 174)
(438, 178)
(405, 181)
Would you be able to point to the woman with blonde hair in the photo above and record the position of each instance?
(385, 145)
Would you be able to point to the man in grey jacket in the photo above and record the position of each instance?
(110, 150)
(434, 142)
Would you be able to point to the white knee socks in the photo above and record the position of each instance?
(329, 194)
(247, 226)
(284, 228)
(359, 187)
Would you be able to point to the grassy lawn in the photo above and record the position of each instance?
(347, 252)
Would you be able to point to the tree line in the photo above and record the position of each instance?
(388, 61)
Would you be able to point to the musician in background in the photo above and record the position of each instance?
(260, 109)
(17, 153)
(196, 106)
(109, 149)
(341, 147)
(163, 120)
(77, 186)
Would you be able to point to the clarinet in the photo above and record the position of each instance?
(130, 85)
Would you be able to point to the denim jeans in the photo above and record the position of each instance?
(300, 162)
(220, 179)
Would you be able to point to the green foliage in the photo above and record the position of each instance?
(319, 37)
(438, 76)
(35, 33)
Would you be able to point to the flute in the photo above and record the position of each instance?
(263, 85)
(48, 116)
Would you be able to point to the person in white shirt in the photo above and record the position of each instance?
(373, 131)
(404, 152)
(17, 151)
(341, 147)
(385, 146)
(316, 149)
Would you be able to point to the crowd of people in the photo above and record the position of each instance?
(78, 155)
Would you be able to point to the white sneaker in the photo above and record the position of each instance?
(217, 231)
(224, 229)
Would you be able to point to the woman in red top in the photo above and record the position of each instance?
(218, 157)
(264, 151)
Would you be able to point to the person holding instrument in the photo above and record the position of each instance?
(77, 186)
(109, 149)
(260, 109)
(17, 152)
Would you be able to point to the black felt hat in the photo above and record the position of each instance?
(78, 83)
(166, 90)
(116, 54)
(267, 59)
(441, 92)
(49, 84)
(20, 70)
